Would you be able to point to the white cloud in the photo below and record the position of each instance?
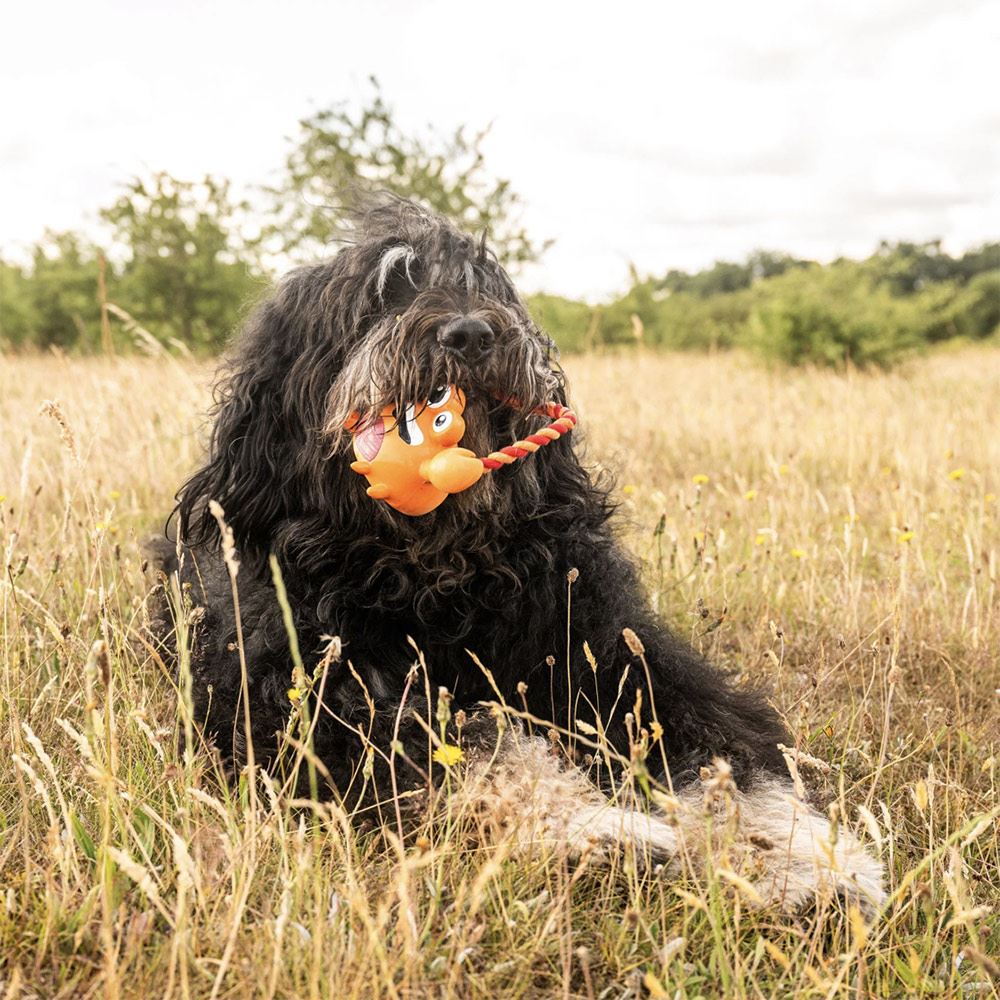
(667, 134)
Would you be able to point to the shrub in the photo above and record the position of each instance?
(833, 316)
(568, 322)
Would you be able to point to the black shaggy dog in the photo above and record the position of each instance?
(514, 575)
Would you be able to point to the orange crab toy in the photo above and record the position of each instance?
(413, 462)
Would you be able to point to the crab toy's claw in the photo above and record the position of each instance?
(453, 470)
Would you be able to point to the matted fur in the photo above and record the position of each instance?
(484, 579)
(766, 838)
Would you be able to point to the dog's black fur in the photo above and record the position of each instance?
(487, 572)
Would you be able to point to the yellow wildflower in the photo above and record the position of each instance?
(783, 470)
(905, 536)
(989, 498)
(750, 495)
(760, 539)
(956, 473)
(700, 479)
(448, 754)
(798, 553)
(629, 489)
(294, 695)
(654, 987)
(114, 495)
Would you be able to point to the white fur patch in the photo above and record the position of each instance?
(783, 848)
(605, 825)
(389, 260)
(799, 855)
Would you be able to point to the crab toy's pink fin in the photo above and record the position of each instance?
(368, 439)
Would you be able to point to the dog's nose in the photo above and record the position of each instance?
(469, 337)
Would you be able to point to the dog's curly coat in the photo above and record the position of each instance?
(491, 572)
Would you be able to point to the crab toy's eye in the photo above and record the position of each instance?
(409, 429)
(439, 397)
(442, 421)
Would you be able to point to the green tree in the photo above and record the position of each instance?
(770, 263)
(909, 267)
(340, 154)
(52, 303)
(971, 311)
(187, 271)
(726, 276)
(983, 259)
(16, 311)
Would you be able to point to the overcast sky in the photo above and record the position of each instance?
(667, 134)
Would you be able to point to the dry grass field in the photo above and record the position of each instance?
(836, 536)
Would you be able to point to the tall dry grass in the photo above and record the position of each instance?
(838, 536)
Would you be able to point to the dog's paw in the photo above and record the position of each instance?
(795, 859)
(604, 830)
(796, 884)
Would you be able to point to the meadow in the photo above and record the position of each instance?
(836, 536)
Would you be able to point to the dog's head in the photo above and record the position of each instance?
(415, 304)
(408, 304)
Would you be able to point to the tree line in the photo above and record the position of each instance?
(182, 261)
(903, 298)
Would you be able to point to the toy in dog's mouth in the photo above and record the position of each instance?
(413, 462)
